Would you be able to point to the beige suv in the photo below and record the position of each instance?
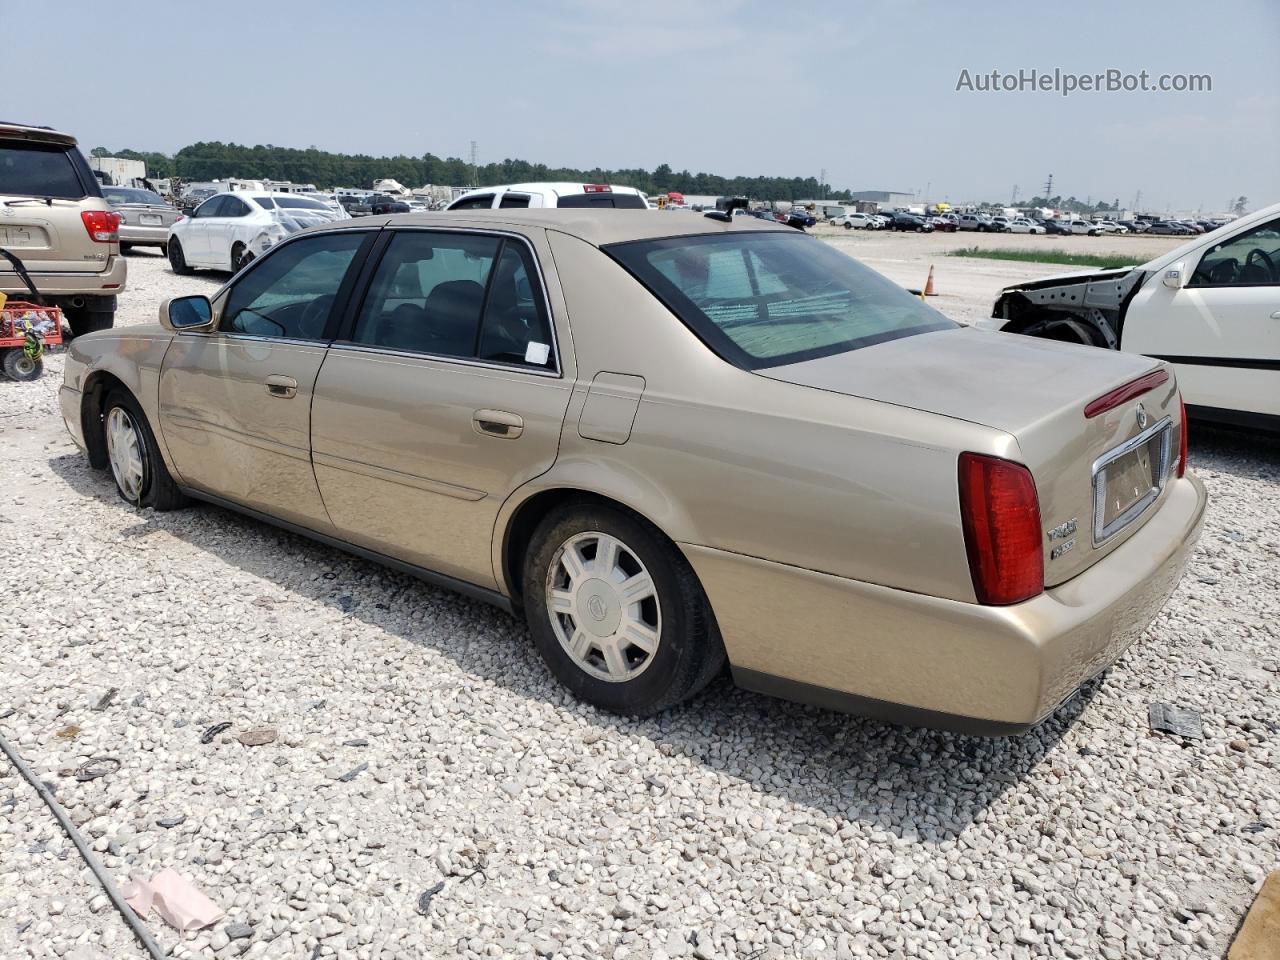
(54, 218)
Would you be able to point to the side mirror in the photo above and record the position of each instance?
(186, 313)
(1175, 276)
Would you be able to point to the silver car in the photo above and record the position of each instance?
(145, 217)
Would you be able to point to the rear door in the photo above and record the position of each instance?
(235, 404)
(1222, 330)
(445, 394)
(44, 187)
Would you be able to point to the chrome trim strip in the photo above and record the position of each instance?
(1103, 531)
(348, 347)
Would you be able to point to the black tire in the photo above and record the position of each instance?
(690, 652)
(125, 247)
(177, 259)
(18, 367)
(158, 490)
(164, 250)
(237, 257)
(84, 320)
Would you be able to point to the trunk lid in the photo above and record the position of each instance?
(1035, 390)
(146, 214)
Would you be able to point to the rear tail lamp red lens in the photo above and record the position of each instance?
(1182, 437)
(1000, 512)
(101, 225)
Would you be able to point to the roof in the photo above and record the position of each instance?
(597, 227)
(551, 186)
(22, 131)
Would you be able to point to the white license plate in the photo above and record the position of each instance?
(150, 219)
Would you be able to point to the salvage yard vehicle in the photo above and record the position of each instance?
(976, 221)
(376, 205)
(520, 195)
(854, 221)
(1210, 307)
(668, 442)
(145, 218)
(1023, 225)
(229, 229)
(53, 215)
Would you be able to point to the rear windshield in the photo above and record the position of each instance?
(622, 201)
(300, 203)
(39, 170)
(130, 195)
(766, 299)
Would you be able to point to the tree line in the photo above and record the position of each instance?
(214, 160)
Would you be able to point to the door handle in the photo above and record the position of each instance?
(497, 423)
(281, 386)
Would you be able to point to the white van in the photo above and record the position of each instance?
(521, 195)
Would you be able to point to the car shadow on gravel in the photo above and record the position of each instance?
(1247, 453)
(922, 784)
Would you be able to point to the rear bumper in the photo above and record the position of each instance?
(134, 233)
(108, 282)
(927, 661)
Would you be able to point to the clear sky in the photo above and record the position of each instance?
(866, 91)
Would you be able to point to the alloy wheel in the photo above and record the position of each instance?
(125, 452)
(603, 607)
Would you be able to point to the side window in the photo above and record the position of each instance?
(1251, 259)
(233, 207)
(428, 293)
(482, 202)
(209, 208)
(515, 328)
(291, 292)
(513, 201)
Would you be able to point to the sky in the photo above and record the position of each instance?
(865, 91)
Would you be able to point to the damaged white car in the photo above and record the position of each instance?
(1211, 307)
(229, 229)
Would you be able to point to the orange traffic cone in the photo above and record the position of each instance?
(928, 285)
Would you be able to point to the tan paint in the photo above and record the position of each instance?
(1259, 937)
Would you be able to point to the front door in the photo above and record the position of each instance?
(235, 404)
(444, 396)
(1222, 330)
(195, 235)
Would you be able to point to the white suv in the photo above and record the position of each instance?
(521, 195)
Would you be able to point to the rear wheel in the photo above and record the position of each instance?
(88, 318)
(616, 611)
(139, 471)
(18, 366)
(125, 247)
(177, 259)
(237, 257)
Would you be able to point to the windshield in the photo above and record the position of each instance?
(129, 195)
(766, 299)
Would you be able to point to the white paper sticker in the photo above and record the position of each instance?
(536, 353)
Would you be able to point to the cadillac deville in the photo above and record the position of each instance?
(672, 443)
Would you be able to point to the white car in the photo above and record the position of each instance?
(229, 229)
(854, 221)
(1081, 228)
(1110, 226)
(551, 195)
(1023, 225)
(1211, 307)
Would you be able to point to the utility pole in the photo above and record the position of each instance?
(1048, 188)
(475, 157)
(1137, 202)
(822, 180)
(1014, 201)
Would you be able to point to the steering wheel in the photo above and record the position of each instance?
(314, 316)
(1263, 256)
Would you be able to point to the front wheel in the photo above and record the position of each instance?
(137, 467)
(177, 259)
(616, 611)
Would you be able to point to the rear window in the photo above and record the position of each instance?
(39, 170)
(299, 203)
(130, 195)
(767, 299)
(622, 201)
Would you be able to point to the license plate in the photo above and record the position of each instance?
(21, 237)
(1129, 479)
(150, 219)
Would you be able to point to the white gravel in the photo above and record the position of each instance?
(736, 826)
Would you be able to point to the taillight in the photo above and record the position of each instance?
(596, 188)
(1001, 516)
(1126, 392)
(101, 225)
(1182, 437)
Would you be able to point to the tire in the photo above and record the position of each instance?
(164, 250)
(84, 320)
(237, 256)
(687, 651)
(138, 469)
(177, 259)
(848, 225)
(125, 247)
(18, 367)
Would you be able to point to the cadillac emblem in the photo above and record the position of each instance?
(1142, 417)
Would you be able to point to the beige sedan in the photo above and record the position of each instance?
(672, 442)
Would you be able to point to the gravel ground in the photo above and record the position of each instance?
(421, 746)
